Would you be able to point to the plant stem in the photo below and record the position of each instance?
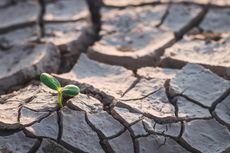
(60, 99)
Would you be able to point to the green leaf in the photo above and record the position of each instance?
(50, 81)
(71, 90)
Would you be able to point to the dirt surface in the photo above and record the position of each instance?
(154, 76)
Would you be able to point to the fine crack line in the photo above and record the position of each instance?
(159, 133)
(105, 146)
(90, 90)
(17, 26)
(40, 19)
(213, 107)
(140, 98)
(7, 29)
(129, 130)
(19, 114)
(176, 139)
(34, 110)
(165, 136)
(164, 16)
(219, 100)
(70, 147)
(191, 100)
(193, 23)
(215, 116)
(31, 135)
(185, 145)
(194, 118)
(170, 98)
(36, 121)
(132, 5)
(60, 125)
(135, 82)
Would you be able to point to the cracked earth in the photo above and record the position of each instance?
(154, 76)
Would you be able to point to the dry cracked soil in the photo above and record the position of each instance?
(154, 76)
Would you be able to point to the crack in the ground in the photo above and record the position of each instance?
(125, 129)
(8, 4)
(16, 26)
(31, 135)
(108, 101)
(179, 35)
(68, 60)
(132, 5)
(143, 135)
(71, 148)
(219, 100)
(36, 121)
(213, 107)
(134, 143)
(164, 16)
(154, 3)
(34, 110)
(185, 145)
(140, 98)
(104, 140)
(60, 125)
(9, 132)
(181, 130)
(100, 136)
(19, 114)
(191, 100)
(105, 146)
(36, 146)
(193, 23)
(176, 139)
(131, 134)
(34, 23)
(40, 19)
(159, 133)
(135, 82)
(173, 101)
(170, 98)
(116, 135)
(157, 119)
(219, 120)
(105, 99)
(181, 119)
(94, 7)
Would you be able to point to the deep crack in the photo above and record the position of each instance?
(131, 86)
(100, 136)
(140, 98)
(40, 19)
(36, 146)
(219, 100)
(60, 125)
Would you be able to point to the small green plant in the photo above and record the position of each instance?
(53, 83)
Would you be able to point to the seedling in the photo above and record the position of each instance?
(53, 83)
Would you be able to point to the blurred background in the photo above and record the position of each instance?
(49, 35)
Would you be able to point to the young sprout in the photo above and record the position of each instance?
(53, 83)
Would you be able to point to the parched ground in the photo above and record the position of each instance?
(154, 76)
